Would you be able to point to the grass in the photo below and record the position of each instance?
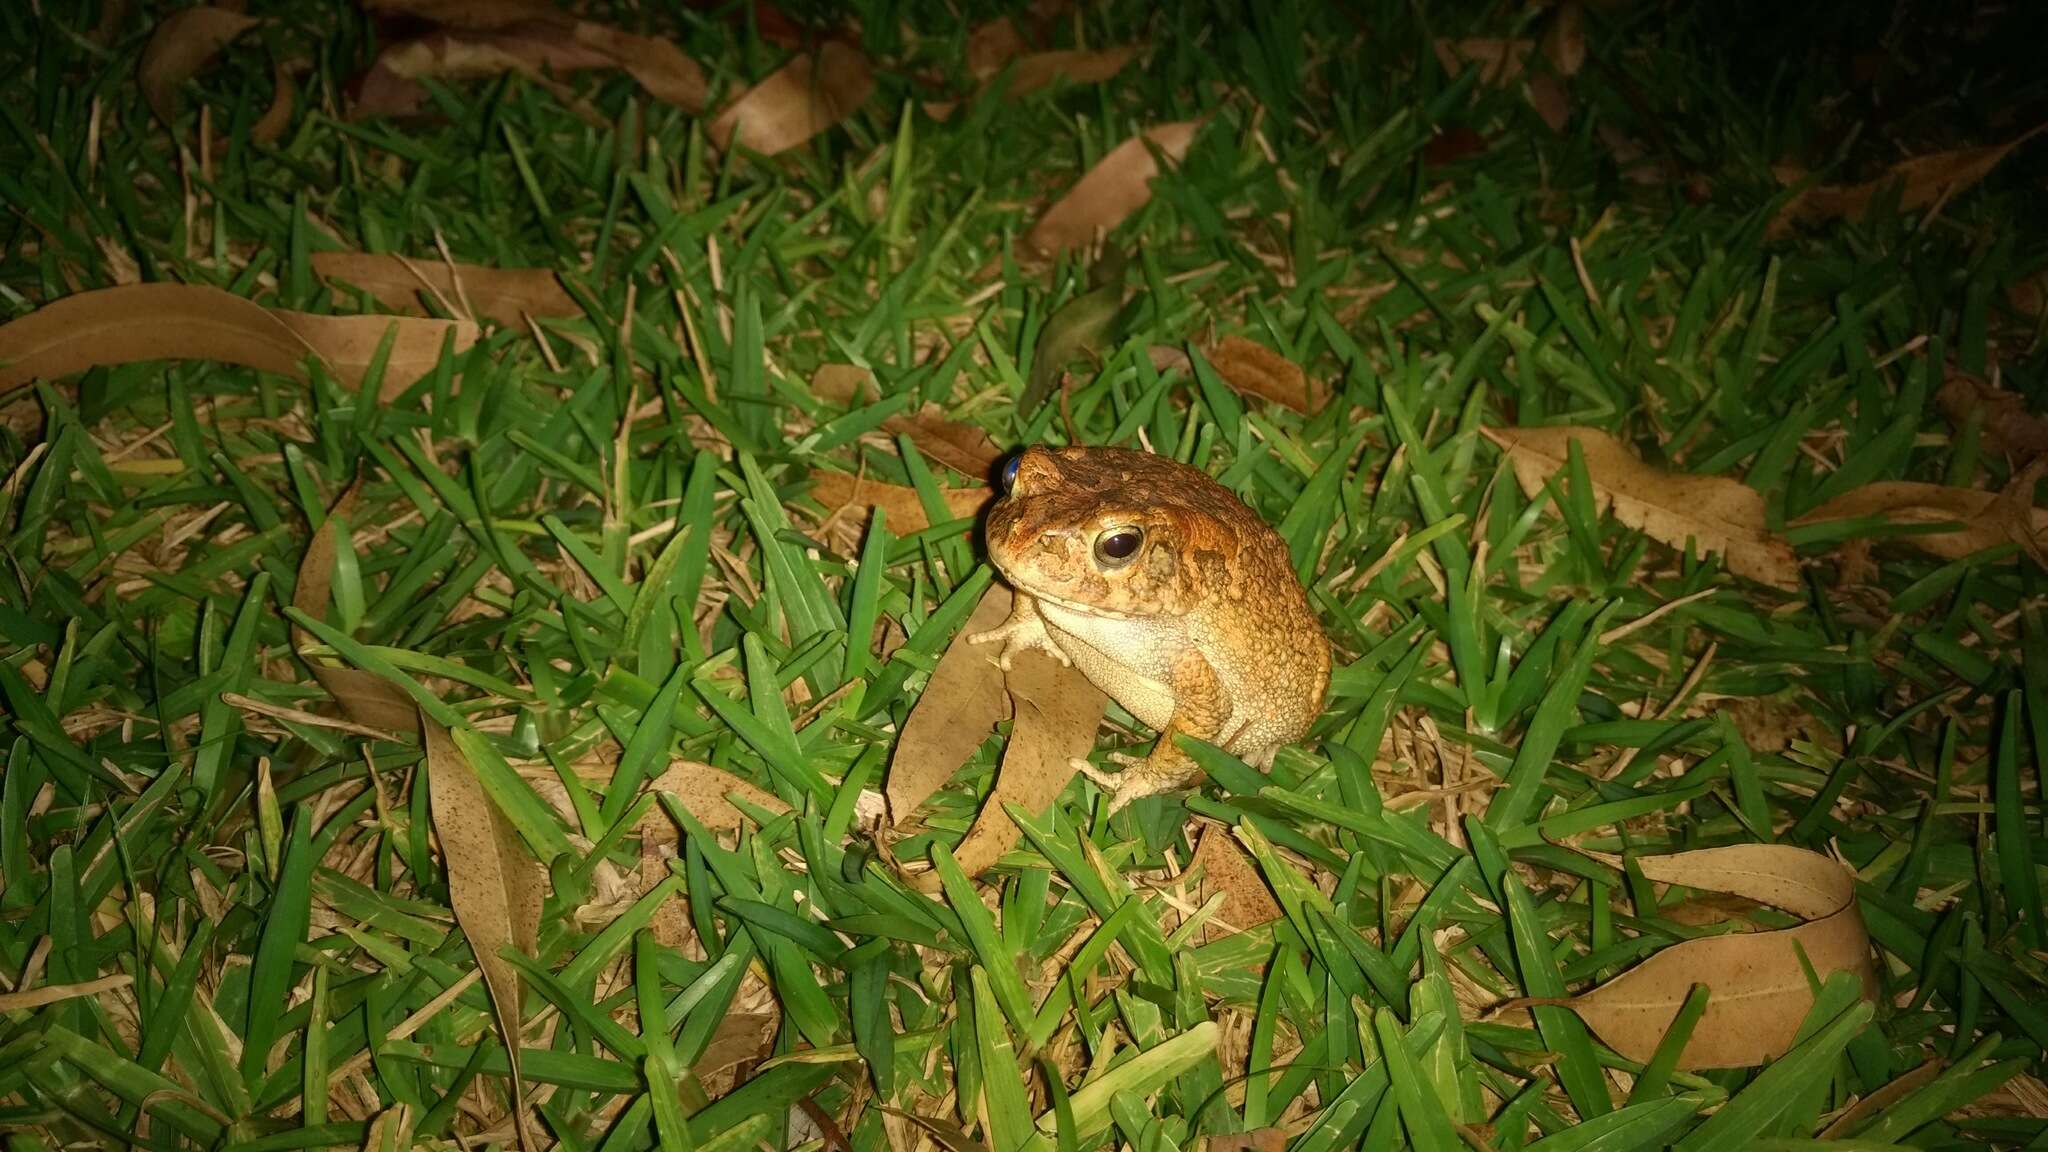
(594, 540)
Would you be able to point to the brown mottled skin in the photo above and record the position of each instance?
(1203, 629)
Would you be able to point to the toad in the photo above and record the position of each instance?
(1169, 594)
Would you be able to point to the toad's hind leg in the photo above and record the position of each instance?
(1201, 707)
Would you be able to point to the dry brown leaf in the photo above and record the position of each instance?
(702, 789)
(963, 447)
(538, 49)
(495, 887)
(364, 697)
(739, 1036)
(283, 100)
(1564, 40)
(1041, 70)
(1256, 1140)
(836, 490)
(142, 322)
(1118, 185)
(1223, 867)
(469, 13)
(1719, 515)
(2029, 297)
(1553, 105)
(657, 64)
(2006, 425)
(1922, 181)
(1759, 988)
(993, 45)
(507, 295)
(803, 98)
(184, 43)
(1500, 62)
(1055, 712)
(961, 704)
(1257, 370)
(1982, 520)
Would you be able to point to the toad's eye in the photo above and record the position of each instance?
(1116, 547)
(1009, 476)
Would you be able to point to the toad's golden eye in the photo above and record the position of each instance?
(1117, 546)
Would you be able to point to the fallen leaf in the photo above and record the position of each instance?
(143, 322)
(1980, 520)
(836, 490)
(963, 447)
(469, 13)
(1118, 185)
(539, 49)
(702, 789)
(656, 63)
(364, 697)
(1055, 712)
(507, 295)
(1759, 988)
(184, 43)
(2029, 296)
(1500, 62)
(1223, 867)
(495, 887)
(1922, 181)
(961, 704)
(804, 97)
(1041, 70)
(1717, 514)
(283, 100)
(1553, 105)
(2005, 426)
(993, 45)
(1256, 1140)
(1564, 39)
(739, 1036)
(1257, 370)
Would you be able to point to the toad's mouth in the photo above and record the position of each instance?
(1074, 606)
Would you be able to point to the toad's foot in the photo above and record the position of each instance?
(1142, 776)
(1022, 632)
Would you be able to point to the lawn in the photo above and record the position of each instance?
(492, 513)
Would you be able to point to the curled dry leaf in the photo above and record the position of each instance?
(1118, 185)
(2029, 297)
(837, 490)
(1981, 519)
(1717, 514)
(960, 446)
(1759, 991)
(1257, 370)
(283, 101)
(183, 44)
(962, 703)
(1922, 181)
(495, 887)
(1041, 70)
(538, 49)
(2005, 425)
(1223, 867)
(140, 322)
(804, 97)
(364, 697)
(1055, 712)
(507, 295)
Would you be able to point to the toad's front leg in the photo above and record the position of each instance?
(1200, 709)
(1022, 632)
